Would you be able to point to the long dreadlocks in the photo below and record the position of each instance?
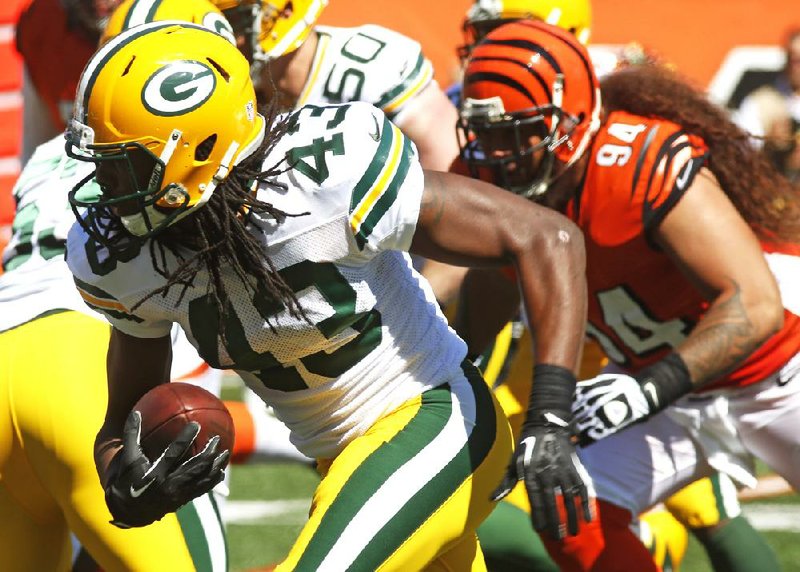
(217, 236)
(765, 199)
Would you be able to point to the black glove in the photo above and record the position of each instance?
(140, 492)
(545, 457)
(610, 402)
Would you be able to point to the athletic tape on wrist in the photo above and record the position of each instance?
(665, 381)
(553, 390)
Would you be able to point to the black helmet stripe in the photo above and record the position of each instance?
(534, 47)
(526, 45)
(536, 75)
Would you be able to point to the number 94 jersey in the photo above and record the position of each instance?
(640, 305)
(372, 337)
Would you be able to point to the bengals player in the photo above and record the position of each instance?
(688, 234)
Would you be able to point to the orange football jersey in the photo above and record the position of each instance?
(640, 304)
(54, 54)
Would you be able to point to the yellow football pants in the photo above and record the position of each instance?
(52, 402)
(410, 492)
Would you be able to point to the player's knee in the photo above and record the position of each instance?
(664, 537)
(704, 533)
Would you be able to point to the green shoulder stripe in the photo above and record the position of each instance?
(93, 290)
(388, 197)
(376, 165)
(116, 314)
(409, 80)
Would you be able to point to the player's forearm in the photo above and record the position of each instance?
(731, 330)
(552, 279)
(106, 446)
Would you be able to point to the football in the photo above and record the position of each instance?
(167, 408)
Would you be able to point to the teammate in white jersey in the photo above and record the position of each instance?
(278, 246)
(297, 63)
(53, 386)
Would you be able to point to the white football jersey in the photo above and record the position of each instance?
(372, 337)
(36, 278)
(368, 63)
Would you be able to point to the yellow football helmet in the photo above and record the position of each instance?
(170, 109)
(271, 28)
(91, 16)
(575, 16)
(132, 13)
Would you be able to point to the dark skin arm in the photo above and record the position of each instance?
(134, 366)
(488, 301)
(467, 222)
(458, 225)
(714, 247)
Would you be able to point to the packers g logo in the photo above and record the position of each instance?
(217, 23)
(178, 88)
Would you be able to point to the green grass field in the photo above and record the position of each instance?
(268, 505)
(264, 534)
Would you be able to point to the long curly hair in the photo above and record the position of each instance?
(217, 236)
(764, 198)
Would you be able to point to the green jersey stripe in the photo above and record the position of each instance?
(375, 167)
(387, 199)
(430, 498)
(408, 81)
(94, 290)
(719, 496)
(195, 537)
(426, 424)
(116, 314)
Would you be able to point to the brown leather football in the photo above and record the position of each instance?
(167, 408)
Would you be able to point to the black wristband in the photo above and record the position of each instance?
(553, 390)
(665, 381)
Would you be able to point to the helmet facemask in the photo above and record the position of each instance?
(164, 111)
(140, 211)
(523, 168)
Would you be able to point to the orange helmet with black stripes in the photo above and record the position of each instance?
(531, 86)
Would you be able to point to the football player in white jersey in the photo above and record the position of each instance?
(300, 63)
(53, 383)
(297, 62)
(279, 246)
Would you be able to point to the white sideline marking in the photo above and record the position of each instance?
(277, 512)
(783, 517)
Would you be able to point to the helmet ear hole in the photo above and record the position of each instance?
(204, 149)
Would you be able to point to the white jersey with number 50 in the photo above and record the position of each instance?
(372, 337)
(368, 63)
